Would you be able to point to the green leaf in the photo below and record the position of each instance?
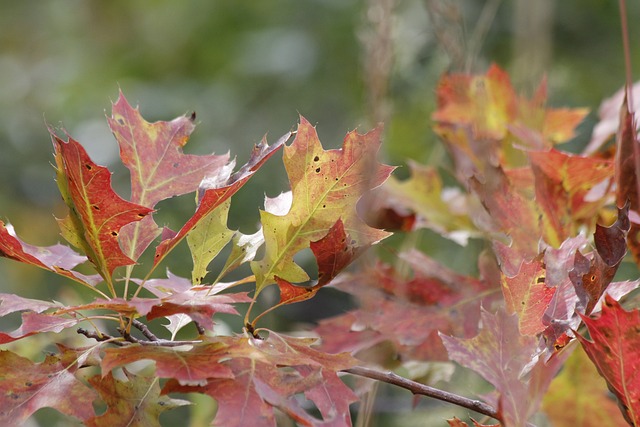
(135, 402)
(207, 238)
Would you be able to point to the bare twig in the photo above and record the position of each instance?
(144, 329)
(417, 388)
(100, 336)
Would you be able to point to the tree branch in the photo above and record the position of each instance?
(417, 388)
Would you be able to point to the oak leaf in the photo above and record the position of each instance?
(217, 188)
(267, 374)
(614, 348)
(326, 186)
(26, 387)
(134, 402)
(159, 168)
(96, 212)
(528, 295)
(571, 396)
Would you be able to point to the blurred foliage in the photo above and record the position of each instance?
(249, 67)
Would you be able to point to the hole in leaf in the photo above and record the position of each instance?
(88, 166)
(120, 120)
(142, 215)
(114, 234)
(316, 158)
(96, 207)
(317, 170)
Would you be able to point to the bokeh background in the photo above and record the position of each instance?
(250, 67)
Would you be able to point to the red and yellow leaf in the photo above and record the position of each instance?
(528, 295)
(326, 186)
(97, 213)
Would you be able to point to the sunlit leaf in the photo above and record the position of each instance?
(159, 169)
(326, 186)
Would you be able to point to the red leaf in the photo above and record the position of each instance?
(513, 215)
(290, 294)
(191, 366)
(334, 252)
(591, 276)
(214, 190)
(269, 373)
(159, 168)
(528, 295)
(614, 347)
(198, 304)
(26, 387)
(58, 258)
(408, 309)
(33, 323)
(10, 303)
(96, 212)
(564, 186)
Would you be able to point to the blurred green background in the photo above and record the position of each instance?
(250, 67)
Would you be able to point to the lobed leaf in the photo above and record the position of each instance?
(58, 258)
(326, 186)
(267, 374)
(134, 402)
(528, 295)
(26, 387)
(159, 168)
(97, 213)
(614, 348)
(215, 189)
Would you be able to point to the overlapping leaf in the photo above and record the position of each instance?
(506, 359)
(409, 311)
(134, 402)
(267, 374)
(191, 366)
(26, 387)
(591, 275)
(96, 212)
(570, 190)
(159, 168)
(614, 347)
(58, 258)
(215, 189)
(572, 394)
(528, 295)
(326, 186)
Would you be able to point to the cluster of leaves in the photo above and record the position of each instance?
(543, 284)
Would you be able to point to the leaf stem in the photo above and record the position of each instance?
(417, 388)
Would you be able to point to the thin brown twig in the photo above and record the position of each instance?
(417, 388)
(144, 329)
